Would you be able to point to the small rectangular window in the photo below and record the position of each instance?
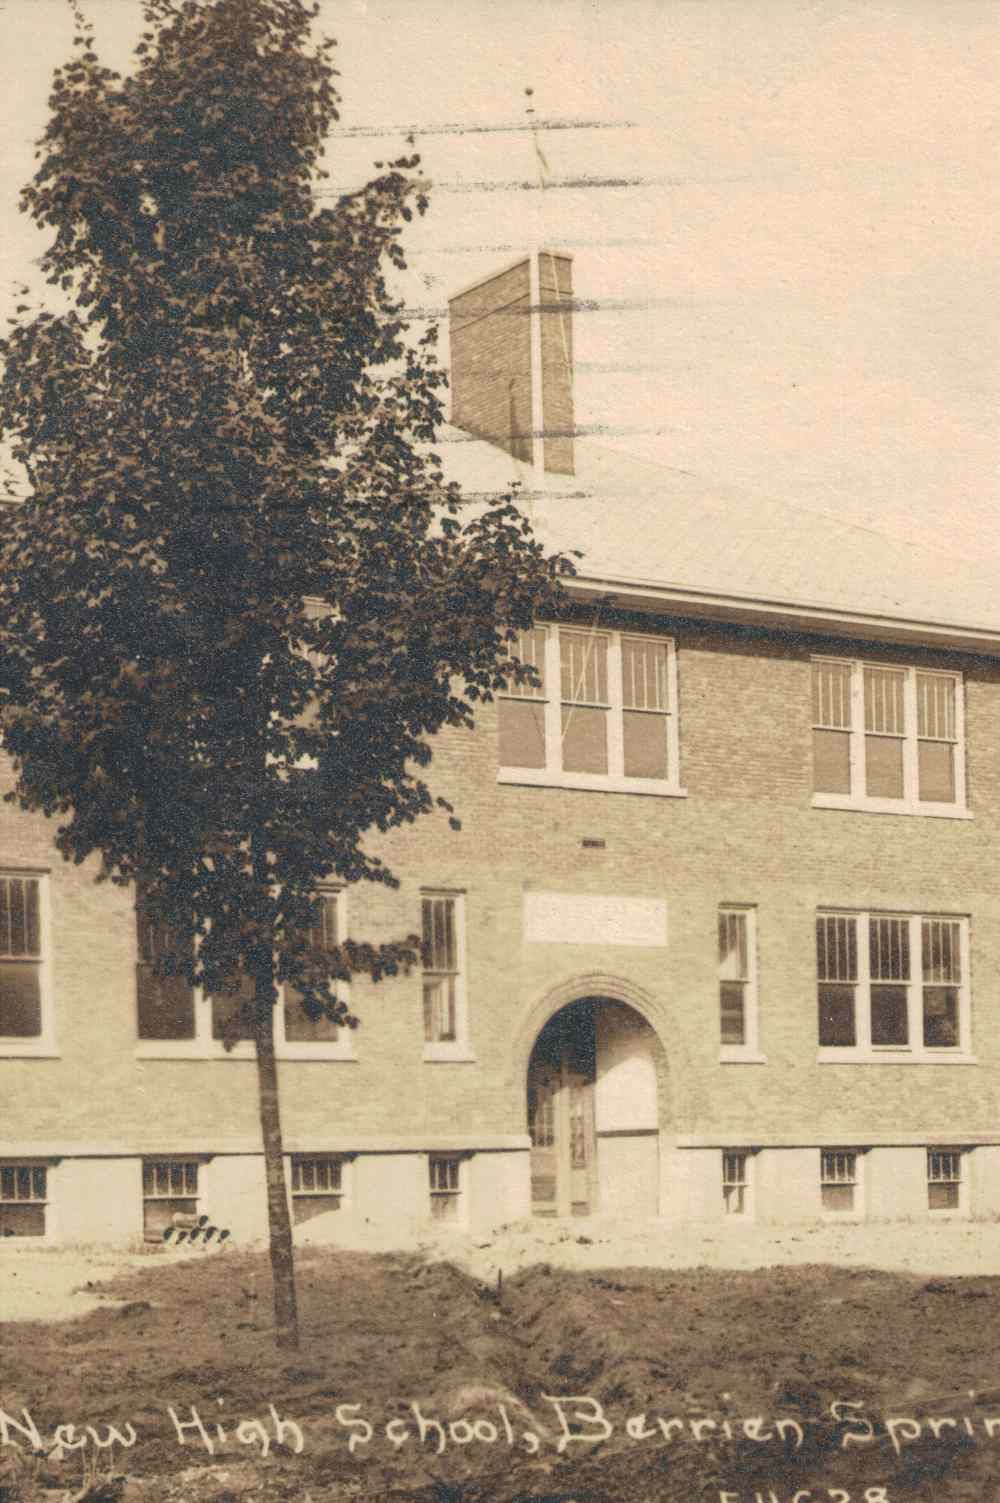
(21, 990)
(838, 1179)
(442, 950)
(735, 1183)
(944, 1179)
(737, 979)
(23, 1198)
(317, 1186)
(445, 1187)
(169, 1194)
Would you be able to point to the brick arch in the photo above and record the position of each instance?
(597, 984)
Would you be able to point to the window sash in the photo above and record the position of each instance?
(22, 1184)
(892, 982)
(443, 946)
(737, 978)
(25, 1021)
(169, 1179)
(611, 719)
(887, 736)
(444, 1175)
(171, 1013)
(323, 1175)
(838, 1166)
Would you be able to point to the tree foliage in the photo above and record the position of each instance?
(231, 422)
(241, 597)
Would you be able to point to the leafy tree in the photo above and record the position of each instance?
(227, 422)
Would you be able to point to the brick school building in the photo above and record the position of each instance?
(718, 939)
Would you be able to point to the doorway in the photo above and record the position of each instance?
(561, 1079)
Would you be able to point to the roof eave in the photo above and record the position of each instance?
(785, 615)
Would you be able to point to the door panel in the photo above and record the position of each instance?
(561, 1123)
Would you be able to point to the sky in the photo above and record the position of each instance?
(783, 216)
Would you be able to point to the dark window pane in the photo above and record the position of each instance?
(300, 1028)
(166, 1005)
(306, 1207)
(522, 733)
(836, 1015)
(157, 1215)
(645, 745)
(831, 762)
(837, 1197)
(936, 761)
(20, 1000)
(22, 1220)
(585, 739)
(942, 1197)
(227, 1009)
(941, 1017)
(731, 1012)
(883, 767)
(889, 1021)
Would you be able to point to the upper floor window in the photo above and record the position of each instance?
(893, 985)
(176, 1018)
(887, 739)
(26, 1023)
(443, 953)
(603, 714)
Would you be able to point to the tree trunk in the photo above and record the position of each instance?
(279, 1224)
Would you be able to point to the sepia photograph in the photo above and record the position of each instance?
(500, 751)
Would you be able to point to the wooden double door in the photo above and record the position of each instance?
(561, 1076)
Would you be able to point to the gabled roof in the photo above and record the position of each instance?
(654, 532)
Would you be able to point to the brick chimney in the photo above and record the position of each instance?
(512, 361)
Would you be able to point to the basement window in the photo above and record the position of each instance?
(169, 1190)
(839, 1181)
(317, 1186)
(23, 1199)
(944, 1179)
(736, 1181)
(445, 1186)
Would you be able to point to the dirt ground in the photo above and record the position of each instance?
(578, 1362)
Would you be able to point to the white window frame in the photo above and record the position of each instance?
(458, 1049)
(42, 1045)
(33, 1168)
(728, 1157)
(910, 803)
(204, 1046)
(749, 1051)
(614, 780)
(184, 1161)
(301, 1192)
(961, 1156)
(458, 1194)
(857, 1183)
(915, 1052)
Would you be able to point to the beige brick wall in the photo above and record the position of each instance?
(746, 832)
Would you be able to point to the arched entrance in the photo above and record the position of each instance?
(593, 1112)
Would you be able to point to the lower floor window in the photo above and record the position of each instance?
(317, 1187)
(838, 1179)
(169, 1194)
(944, 1179)
(22, 1200)
(735, 1184)
(445, 1175)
